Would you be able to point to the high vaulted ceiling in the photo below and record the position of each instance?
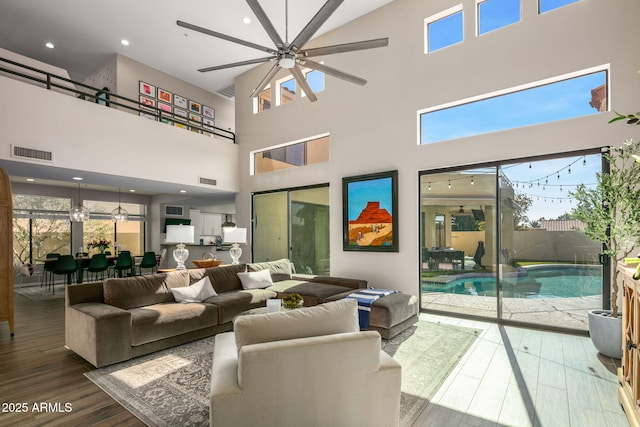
(86, 33)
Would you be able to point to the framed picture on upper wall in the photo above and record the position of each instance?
(147, 89)
(195, 107)
(179, 101)
(370, 212)
(208, 112)
(164, 96)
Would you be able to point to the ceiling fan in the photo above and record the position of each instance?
(292, 55)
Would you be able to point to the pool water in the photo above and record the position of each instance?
(540, 281)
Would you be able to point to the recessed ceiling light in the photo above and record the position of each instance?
(124, 42)
(30, 179)
(246, 20)
(77, 178)
(132, 191)
(183, 191)
(49, 45)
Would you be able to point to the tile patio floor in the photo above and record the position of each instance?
(526, 378)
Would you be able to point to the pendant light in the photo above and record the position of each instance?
(79, 213)
(227, 222)
(119, 214)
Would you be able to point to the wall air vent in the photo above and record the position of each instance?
(31, 153)
(173, 210)
(208, 181)
(228, 92)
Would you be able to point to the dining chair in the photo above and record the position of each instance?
(124, 263)
(47, 267)
(98, 264)
(148, 261)
(65, 265)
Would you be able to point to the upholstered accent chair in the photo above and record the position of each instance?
(305, 367)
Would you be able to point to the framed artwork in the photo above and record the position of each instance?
(164, 96)
(207, 123)
(195, 117)
(179, 101)
(164, 107)
(179, 112)
(180, 125)
(195, 107)
(147, 116)
(208, 112)
(370, 212)
(147, 102)
(147, 89)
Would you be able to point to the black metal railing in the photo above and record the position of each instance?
(107, 98)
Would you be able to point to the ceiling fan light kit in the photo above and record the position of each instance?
(291, 55)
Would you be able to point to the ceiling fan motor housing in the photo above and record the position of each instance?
(287, 60)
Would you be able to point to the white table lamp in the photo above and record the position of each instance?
(235, 236)
(180, 234)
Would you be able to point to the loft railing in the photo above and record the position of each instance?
(105, 97)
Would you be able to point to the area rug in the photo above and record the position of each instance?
(171, 387)
(37, 293)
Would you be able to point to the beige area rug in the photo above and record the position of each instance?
(37, 293)
(171, 387)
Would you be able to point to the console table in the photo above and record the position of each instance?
(629, 373)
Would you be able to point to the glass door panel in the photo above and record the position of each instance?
(550, 270)
(310, 230)
(270, 237)
(457, 267)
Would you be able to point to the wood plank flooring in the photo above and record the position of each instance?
(36, 369)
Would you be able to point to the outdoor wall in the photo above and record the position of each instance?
(374, 128)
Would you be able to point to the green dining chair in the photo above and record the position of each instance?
(124, 263)
(98, 265)
(148, 261)
(47, 268)
(65, 265)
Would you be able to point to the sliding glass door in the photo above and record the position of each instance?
(293, 224)
(501, 242)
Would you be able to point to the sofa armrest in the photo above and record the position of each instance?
(224, 372)
(330, 280)
(100, 333)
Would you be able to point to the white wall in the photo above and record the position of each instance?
(87, 136)
(374, 128)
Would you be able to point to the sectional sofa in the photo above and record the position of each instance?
(121, 318)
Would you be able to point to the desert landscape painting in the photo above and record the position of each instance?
(369, 208)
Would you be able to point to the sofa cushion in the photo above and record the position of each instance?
(279, 269)
(159, 321)
(197, 292)
(138, 291)
(230, 304)
(326, 319)
(223, 279)
(255, 279)
(259, 296)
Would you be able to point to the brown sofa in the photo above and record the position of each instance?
(121, 318)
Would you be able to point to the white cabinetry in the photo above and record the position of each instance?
(210, 223)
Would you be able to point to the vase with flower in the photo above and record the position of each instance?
(100, 244)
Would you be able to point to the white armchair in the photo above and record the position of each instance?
(305, 367)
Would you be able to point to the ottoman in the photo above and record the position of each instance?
(390, 314)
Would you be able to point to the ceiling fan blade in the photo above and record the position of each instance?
(266, 23)
(266, 80)
(297, 73)
(332, 71)
(225, 37)
(314, 25)
(346, 47)
(237, 64)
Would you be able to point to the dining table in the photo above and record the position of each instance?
(82, 262)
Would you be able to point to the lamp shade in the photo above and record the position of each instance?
(180, 233)
(235, 235)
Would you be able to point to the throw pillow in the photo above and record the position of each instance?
(197, 292)
(255, 279)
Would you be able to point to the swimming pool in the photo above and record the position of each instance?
(537, 281)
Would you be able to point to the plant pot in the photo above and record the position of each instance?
(606, 333)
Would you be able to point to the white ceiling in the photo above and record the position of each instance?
(87, 33)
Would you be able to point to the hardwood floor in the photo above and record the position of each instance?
(42, 382)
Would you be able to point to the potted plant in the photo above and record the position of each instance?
(611, 213)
